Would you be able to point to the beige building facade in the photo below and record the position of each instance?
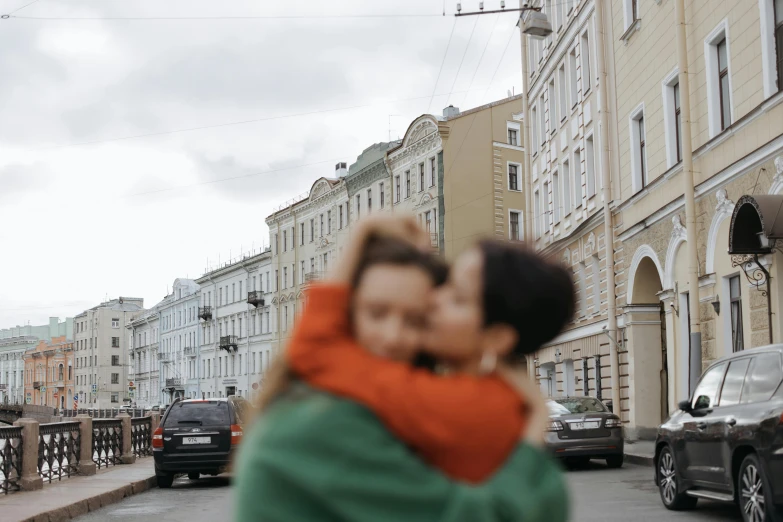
(736, 115)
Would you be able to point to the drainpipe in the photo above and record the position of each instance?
(690, 203)
(603, 122)
(527, 168)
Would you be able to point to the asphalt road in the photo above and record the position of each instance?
(598, 494)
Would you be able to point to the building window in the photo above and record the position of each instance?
(115, 378)
(421, 176)
(577, 178)
(115, 397)
(115, 323)
(341, 216)
(537, 213)
(312, 230)
(407, 184)
(534, 128)
(561, 83)
(369, 200)
(553, 121)
(115, 360)
(303, 272)
(560, 17)
(677, 127)
(556, 197)
(513, 177)
(723, 82)
(325, 259)
(542, 118)
(590, 167)
(566, 188)
(115, 342)
(301, 233)
(547, 209)
(573, 77)
(585, 52)
(328, 221)
(358, 205)
(382, 193)
(514, 226)
(397, 189)
(638, 150)
(321, 227)
(285, 241)
(433, 172)
(735, 295)
(285, 277)
(277, 244)
(512, 137)
(778, 7)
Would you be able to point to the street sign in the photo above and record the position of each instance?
(43, 389)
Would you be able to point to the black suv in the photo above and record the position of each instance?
(197, 437)
(726, 442)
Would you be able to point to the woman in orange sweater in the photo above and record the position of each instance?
(500, 302)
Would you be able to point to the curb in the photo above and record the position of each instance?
(84, 506)
(640, 460)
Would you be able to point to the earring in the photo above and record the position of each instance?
(489, 361)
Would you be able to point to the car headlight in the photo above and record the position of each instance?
(554, 426)
(613, 423)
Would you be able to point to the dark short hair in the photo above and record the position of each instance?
(390, 251)
(527, 292)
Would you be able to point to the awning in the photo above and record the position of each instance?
(756, 223)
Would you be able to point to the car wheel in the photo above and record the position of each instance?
(193, 476)
(165, 481)
(614, 461)
(668, 483)
(755, 500)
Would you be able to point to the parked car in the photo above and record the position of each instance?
(726, 442)
(583, 428)
(197, 436)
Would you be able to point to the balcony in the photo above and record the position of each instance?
(313, 276)
(205, 313)
(38, 384)
(190, 351)
(255, 298)
(174, 383)
(227, 342)
(164, 357)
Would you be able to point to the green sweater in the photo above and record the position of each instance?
(315, 457)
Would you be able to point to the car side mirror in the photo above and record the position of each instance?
(685, 406)
(702, 402)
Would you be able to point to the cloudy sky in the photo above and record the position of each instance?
(141, 140)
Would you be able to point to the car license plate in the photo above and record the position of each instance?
(196, 440)
(585, 425)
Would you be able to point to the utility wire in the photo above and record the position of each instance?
(226, 124)
(492, 80)
(445, 54)
(19, 9)
(497, 18)
(250, 17)
(459, 69)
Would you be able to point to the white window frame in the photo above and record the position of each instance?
(565, 170)
(628, 13)
(585, 35)
(548, 224)
(521, 224)
(720, 32)
(576, 170)
(669, 121)
(515, 127)
(519, 176)
(537, 213)
(562, 94)
(637, 183)
(590, 192)
(573, 77)
(769, 68)
(554, 122)
(534, 128)
(556, 197)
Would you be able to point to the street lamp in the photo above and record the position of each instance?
(536, 25)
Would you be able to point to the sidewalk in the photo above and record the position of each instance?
(640, 452)
(76, 496)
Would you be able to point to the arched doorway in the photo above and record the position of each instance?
(648, 379)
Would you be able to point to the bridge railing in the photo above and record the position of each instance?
(108, 413)
(33, 453)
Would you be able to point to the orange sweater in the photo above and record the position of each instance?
(464, 425)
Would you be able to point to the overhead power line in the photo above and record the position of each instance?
(473, 78)
(20, 8)
(451, 91)
(445, 54)
(245, 17)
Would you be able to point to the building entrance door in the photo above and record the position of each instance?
(231, 390)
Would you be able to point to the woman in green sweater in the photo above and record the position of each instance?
(313, 456)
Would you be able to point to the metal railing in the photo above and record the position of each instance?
(228, 341)
(205, 313)
(107, 413)
(164, 357)
(255, 298)
(58, 450)
(190, 351)
(10, 459)
(106, 440)
(38, 384)
(141, 436)
(174, 382)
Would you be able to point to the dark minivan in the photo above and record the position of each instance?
(726, 442)
(197, 437)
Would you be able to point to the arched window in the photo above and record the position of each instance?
(70, 372)
(60, 372)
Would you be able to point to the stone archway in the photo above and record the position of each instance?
(648, 383)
